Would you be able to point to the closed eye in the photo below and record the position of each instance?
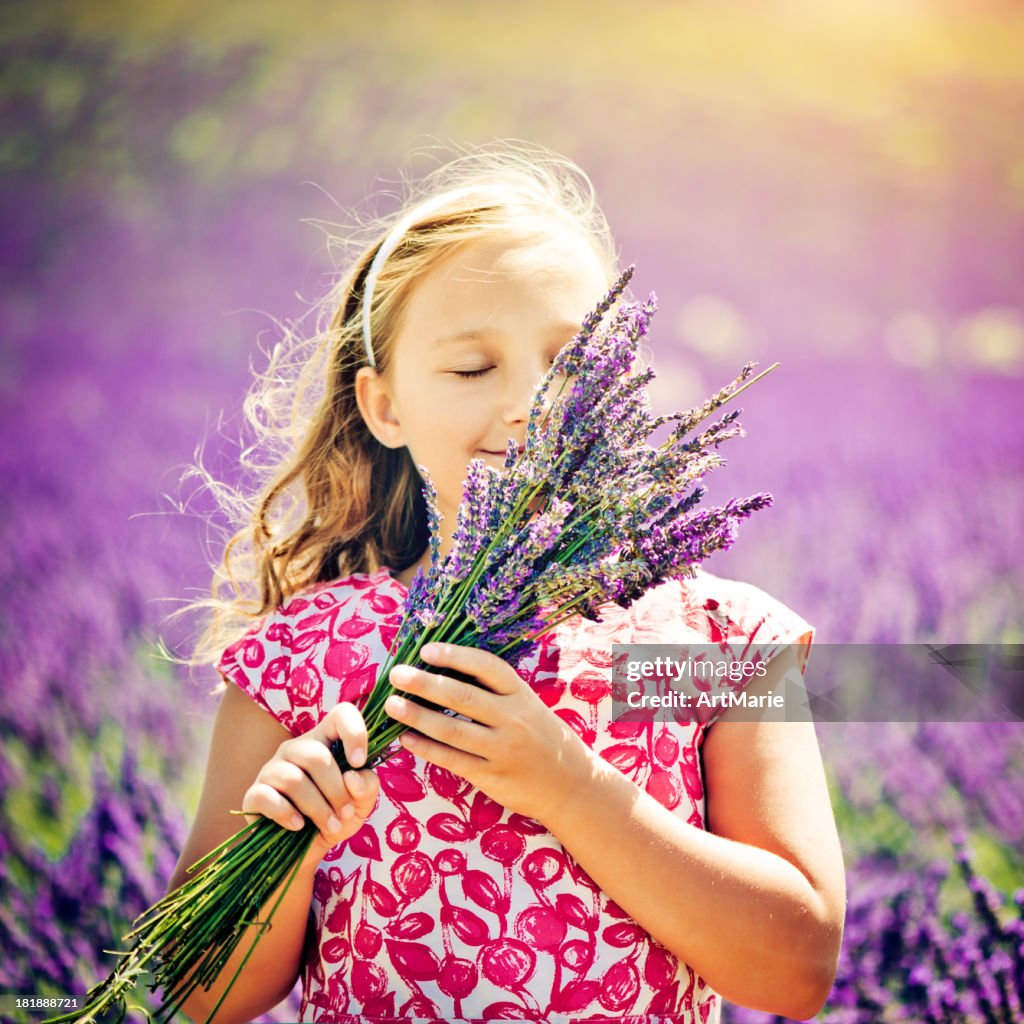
(470, 374)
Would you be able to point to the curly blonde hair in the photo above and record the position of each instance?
(326, 499)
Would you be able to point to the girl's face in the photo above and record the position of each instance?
(479, 332)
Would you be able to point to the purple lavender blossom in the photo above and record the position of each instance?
(898, 952)
(587, 495)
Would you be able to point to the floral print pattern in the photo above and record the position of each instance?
(447, 907)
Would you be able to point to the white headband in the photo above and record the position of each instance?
(389, 245)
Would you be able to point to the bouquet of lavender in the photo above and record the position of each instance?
(588, 513)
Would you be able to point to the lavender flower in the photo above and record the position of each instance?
(898, 954)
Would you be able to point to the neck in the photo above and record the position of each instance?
(405, 577)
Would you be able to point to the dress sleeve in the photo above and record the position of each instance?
(753, 624)
(323, 647)
(260, 664)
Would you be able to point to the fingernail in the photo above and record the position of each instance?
(354, 782)
(347, 811)
(358, 755)
(429, 650)
(333, 825)
(295, 821)
(396, 704)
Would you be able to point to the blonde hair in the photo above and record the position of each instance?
(327, 499)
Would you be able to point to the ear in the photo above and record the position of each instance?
(377, 407)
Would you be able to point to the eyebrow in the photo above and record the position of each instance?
(566, 327)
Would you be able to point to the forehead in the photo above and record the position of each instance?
(558, 271)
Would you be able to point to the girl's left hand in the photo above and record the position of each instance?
(513, 749)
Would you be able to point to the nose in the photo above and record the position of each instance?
(522, 384)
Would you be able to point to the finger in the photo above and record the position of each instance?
(489, 669)
(454, 732)
(317, 761)
(262, 800)
(467, 699)
(266, 802)
(363, 789)
(459, 762)
(345, 722)
(294, 784)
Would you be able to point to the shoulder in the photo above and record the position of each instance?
(705, 609)
(320, 646)
(702, 609)
(366, 594)
(725, 610)
(754, 627)
(360, 593)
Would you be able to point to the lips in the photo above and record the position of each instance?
(487, 451)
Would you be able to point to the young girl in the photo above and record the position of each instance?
(529, 858)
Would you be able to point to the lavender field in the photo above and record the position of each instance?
(842, 192)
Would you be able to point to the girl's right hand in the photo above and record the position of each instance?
(303, 778)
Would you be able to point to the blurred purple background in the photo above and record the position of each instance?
(837, 187)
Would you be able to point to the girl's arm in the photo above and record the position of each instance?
(244, 738)
(291, 773)
(756, 906)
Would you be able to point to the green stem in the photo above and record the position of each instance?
(259, 934)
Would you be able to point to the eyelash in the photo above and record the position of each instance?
(471, 374)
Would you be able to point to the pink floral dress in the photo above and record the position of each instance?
(447, 907)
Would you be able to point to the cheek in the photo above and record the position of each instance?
(465, 418)
(444, 443)
(448, 433)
